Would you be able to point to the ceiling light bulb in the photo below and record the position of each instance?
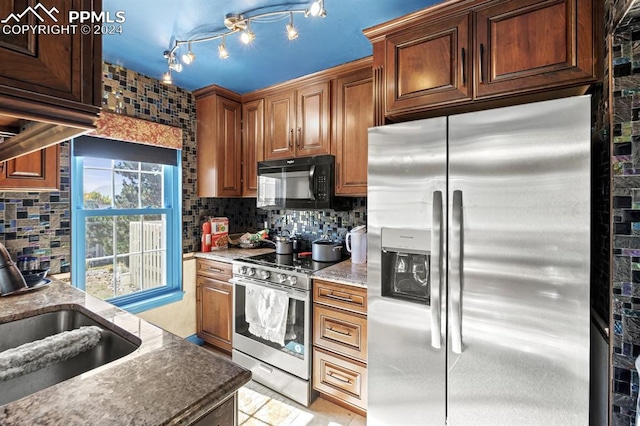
(292, 33)
(188, 57)
(222, 52)
(247, 36)
(316, 9)
(166, 78)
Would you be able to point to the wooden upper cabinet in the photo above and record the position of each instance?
(429, 64)
(252, 145)
(280, 123)
(37, 171)
(58, 65)
(529, 44)
(218, 137)
(313, 111)
(353, 117)
(298, 122)
(463, 53)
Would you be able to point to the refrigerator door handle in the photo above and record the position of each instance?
(455, 273)
(436, 269)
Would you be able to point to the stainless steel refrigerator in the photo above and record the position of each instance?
(478, 273)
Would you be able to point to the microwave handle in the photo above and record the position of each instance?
(312, 183)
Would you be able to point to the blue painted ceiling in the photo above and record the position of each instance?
(152, 26)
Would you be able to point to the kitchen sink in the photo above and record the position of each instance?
(15, 333)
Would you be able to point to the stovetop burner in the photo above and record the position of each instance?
(291, 262)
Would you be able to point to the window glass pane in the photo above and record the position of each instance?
(97, 162)
(127, 275)
(100, 278)
(97, 189)
(128, 234)
(152, 269)
(151, 190)
(127, 186)
(151, 167)
(99, 237)
(126, 165)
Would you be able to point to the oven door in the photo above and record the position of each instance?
(273, 324)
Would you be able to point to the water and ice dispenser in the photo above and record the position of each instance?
(406, 264)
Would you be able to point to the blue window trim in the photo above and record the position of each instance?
(148, 299)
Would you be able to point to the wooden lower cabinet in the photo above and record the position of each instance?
(225, 414)
(37, 171)
(340, 377)
(340, 343)
(214, 304)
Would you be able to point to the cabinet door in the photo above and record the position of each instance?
(279, 138)
(58, 65)
(313, 109)
(252, 145)
(428, 65)
(526, 45)
(214, 303)
(218, 136)
(39, 170)
(229, 150)
(353, 117)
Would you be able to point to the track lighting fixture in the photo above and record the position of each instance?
(292, 33)
(237, 23)
(247, 35)
(222, 48)
(188, 57)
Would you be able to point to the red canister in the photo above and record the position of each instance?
(206, 237)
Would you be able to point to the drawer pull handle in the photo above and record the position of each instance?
(338, 377)
(338, 331)
(214, 269)
(265, 368)
(344, 299)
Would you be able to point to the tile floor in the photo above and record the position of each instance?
(260, 406)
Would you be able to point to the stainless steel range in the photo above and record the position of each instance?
(273, 321)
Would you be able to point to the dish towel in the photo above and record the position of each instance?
(266, 312)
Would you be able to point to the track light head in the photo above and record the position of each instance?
(292, 32)
(166, 78)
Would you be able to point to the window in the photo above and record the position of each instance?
(126, 222)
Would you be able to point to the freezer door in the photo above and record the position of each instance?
(407, 351)
(519, 194)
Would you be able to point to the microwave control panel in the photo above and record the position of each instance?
(321, 187)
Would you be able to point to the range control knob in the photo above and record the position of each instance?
(282, 278)
(243, 270)
(265, 275)
(251, 272)
(293, 280)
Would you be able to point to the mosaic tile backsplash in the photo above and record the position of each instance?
(625, 162)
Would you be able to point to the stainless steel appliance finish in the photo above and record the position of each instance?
(285, 368)
(502, 334)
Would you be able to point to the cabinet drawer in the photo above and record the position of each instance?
(341, 296)
(340, 378)
(340, 331)
(214, 269)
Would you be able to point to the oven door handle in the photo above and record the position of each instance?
(293, 293)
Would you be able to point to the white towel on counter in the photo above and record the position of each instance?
(266, 312)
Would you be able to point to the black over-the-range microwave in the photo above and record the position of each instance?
(305, 183)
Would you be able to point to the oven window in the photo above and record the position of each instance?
(266, 316)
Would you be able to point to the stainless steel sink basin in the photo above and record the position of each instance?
(15, 333)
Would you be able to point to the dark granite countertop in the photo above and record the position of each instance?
(166, 381)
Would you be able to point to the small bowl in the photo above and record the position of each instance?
(34, 276)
